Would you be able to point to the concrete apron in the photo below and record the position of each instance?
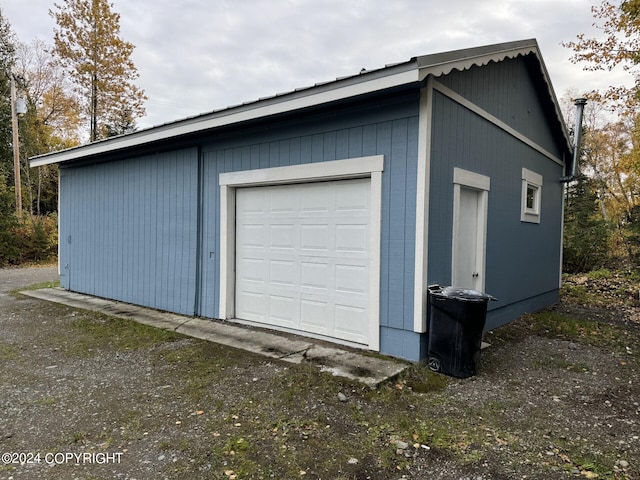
(340, 362)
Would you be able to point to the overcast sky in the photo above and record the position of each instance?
(195, 56)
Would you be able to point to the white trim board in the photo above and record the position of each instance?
(361, 167)
(422, 208)
(228, 117)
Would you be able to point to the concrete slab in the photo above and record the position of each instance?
(360, 366)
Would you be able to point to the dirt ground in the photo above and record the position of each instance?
(85, 396)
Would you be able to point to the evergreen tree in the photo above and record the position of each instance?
(586, 234)
(88, 45)
(7, 58)
(9, 250)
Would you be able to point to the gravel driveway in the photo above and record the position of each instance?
(89, 397)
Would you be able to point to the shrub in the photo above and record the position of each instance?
(37, 237)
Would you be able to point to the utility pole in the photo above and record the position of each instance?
(16, 144)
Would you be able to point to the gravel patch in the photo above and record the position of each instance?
(98, 398)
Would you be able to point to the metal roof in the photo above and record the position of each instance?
(413, 71)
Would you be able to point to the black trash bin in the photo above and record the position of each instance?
(456, 321)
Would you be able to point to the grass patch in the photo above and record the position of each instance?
(420, 379)
(581, 295)
(35, 286)
(203, 365)
(46, 401)
(98, 331)
(8, 352)
(600, 274)
(558, 325)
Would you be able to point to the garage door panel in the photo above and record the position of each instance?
(351, 322)
(252, 235)
(353, 200)
(253, 305)
(283, 309)
(313, 240)
(351, 279)
(352, 238)
(280, 203)
(314, 315)
(314, 200)
(283, 236)
(315, 275)
(284, 273)
(252, 270)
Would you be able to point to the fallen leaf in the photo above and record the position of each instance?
(228, 473)
(589, 474)
(564, 457)
(199, 412)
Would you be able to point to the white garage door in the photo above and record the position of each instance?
(302, 257)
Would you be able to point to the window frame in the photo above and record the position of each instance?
(531, 181)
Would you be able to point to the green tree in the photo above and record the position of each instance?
(586, 234)
(618, 46)
(88, 45)
(51, 123)
(7, 59)
(9, 250)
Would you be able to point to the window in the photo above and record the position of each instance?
(531, 196)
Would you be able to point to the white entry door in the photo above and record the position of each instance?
(302, 257)
(469, 230)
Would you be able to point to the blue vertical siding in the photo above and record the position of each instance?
(133, 231)
(514, 92)
(392, 132)
(522, 259)
(146, 229)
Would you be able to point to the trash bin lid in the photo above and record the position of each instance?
(466, 294)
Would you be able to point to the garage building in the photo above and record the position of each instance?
(327, 211)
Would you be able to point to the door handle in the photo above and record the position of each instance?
(474, 274)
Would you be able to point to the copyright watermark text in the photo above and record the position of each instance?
(60, 458)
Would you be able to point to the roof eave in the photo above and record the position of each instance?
(369, 82)
(415, 71)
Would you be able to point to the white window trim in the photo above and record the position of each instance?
(533, 179)
(361, 167)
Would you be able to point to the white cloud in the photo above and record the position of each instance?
(198, 55)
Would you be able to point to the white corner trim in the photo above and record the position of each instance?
(375, 230)
(361, 167)
(228, 251)
(422, 208)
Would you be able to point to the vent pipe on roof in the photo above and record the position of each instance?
(577, 141)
